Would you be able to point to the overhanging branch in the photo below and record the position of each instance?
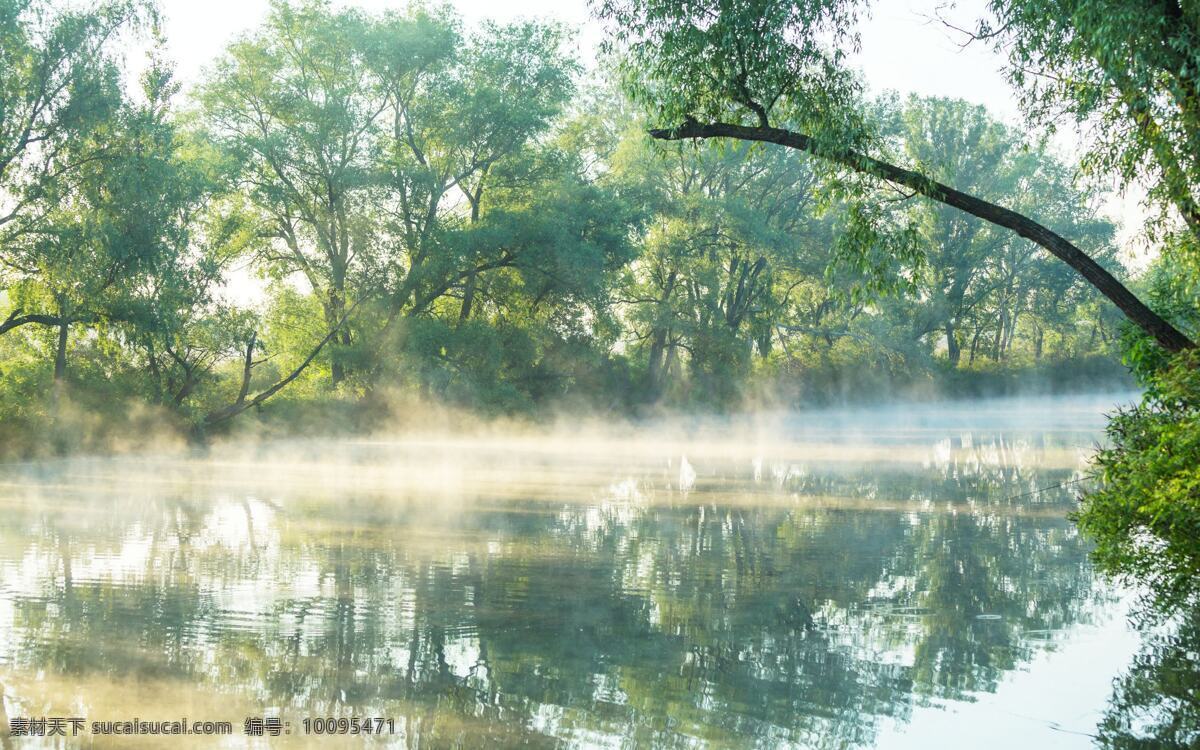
(16, 320)
(1169, 337)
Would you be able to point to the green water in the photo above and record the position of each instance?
(863, 579)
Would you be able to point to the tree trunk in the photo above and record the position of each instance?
(657, 367)
(60, 355)
(335, 313)
(474, 197)
(974, 345)
(953, 351)
(468, 299)
(1169, 337)
(1012, 331)
(344, 342)
(654, 370)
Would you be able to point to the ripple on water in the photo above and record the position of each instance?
(807, 590)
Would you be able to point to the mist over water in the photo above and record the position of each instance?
(842, 578)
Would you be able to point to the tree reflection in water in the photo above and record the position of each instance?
(804, 608)
(1156, 703)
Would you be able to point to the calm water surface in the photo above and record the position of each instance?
(887, 578)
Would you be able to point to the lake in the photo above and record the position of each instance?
(892, 577)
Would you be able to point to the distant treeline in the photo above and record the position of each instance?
(462, 215)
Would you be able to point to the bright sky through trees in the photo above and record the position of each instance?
(905, 48)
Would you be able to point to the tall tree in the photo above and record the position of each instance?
(363, 136)
(294, 103)
(448, 137)
(111, 223)
(730, 230)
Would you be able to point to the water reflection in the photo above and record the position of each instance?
(1156, 702)
(499, 593)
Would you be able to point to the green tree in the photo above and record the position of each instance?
(1146, 514)
(460, 136)
(112, 228)
(952, 140)
(58, 84)
(294, 104)
(358, 132)
(60, 110)
(1128, 71)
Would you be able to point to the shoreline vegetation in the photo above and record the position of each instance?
(82, 422)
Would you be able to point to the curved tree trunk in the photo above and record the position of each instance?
(243, 402)
(1169, 337)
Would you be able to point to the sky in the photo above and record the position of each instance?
(905, 48)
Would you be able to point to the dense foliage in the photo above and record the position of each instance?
(1146, 513)
(420, 208)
